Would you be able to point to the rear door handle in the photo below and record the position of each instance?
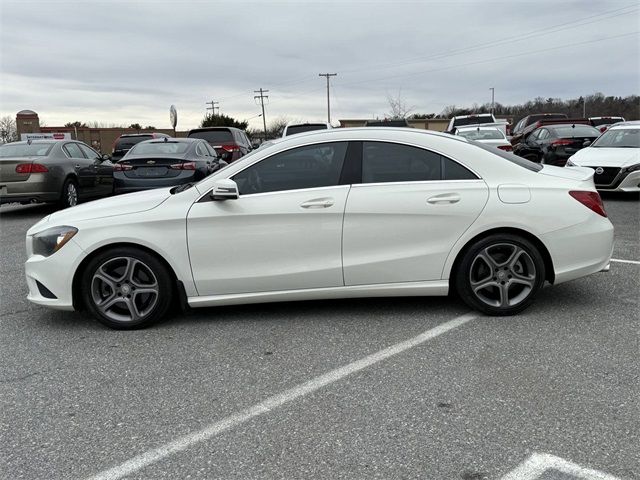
(318, 203)
(444, 198)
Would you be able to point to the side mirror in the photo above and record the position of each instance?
(224, 189)
(586, 143)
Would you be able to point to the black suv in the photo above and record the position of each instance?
(230, 143)
(124, 143)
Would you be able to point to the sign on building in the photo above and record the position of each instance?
(45, 136)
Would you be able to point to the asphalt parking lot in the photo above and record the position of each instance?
(307, 390)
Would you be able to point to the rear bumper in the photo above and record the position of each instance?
(123, 184)
(581, 249)
(35, 188)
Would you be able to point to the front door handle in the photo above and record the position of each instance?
(318, 203)
(444, 198)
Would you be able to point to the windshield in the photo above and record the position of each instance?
(214, 137)
(25, 150)
(576, 131)
(154, 148)
(293, 129)
(619, 138)
(486, 134)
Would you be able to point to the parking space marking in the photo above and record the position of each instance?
(539, 463)
(151, 456)
(635, 262)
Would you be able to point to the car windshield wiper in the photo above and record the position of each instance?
(183, 187)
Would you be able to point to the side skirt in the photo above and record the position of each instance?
(405, 289)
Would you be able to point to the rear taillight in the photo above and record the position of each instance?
(231, 147)
(31, 168)
(590, 200)
(121, 167)
(561, 143)
(506, 148)
(184, 166)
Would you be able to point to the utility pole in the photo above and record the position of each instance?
(214, 106)
(328, 104)
(262, 96)
(493, 98)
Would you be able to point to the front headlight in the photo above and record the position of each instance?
(51, 240)
(632, 168)
(570, 164)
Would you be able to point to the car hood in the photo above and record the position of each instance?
(606, 157)
(106, 207)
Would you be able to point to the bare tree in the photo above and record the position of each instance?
(399, 107)
(8, 130)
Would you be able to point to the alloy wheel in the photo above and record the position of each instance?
(72, 195)
(502, 275)
(124, 289)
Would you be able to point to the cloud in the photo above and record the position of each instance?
(126, 62)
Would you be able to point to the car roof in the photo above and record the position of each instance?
(629, 124)
(208, 129)
(474, 115)
(369, 131)
(173, 140)
(569, 124)
(477, 127)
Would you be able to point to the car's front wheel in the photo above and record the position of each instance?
(500, 274)
(126, 288)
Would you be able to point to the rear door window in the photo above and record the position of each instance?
(391, 162)
(89, 152)
(214, 137)
(73, 150)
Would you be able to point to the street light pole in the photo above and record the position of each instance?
(493, 97)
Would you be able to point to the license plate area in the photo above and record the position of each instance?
(151, 171)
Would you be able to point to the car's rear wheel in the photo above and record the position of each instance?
(126, 288)
(69, 197)
(500, 274)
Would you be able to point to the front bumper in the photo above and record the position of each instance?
(628, 183)
(55, 273)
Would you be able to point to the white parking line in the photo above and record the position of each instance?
(538, 463)
(151, 456)
(635, 262)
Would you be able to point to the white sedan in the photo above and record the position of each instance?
(488, 135)
(615, 158)
(358, 212)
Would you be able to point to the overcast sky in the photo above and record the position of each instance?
(126, 61)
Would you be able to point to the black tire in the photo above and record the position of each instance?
(69, 195)
(127, 288)
(497, 267)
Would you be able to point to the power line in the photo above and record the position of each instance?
(512, 39)
(327, 75)
(449, 67)
(262, 96)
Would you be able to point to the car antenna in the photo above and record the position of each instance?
(166, 139)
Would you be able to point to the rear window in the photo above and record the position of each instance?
(214, 137)
(125, 143)
(387, 123)
(576, 131)
(310, 127)
(154, 148)
(522, 162)
(459, 122)
(482, 134)
(25, 150)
